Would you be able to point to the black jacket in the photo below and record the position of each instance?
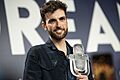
(46, 62)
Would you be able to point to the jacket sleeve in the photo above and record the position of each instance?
(32, 70)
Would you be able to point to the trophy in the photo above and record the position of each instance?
(79, 61)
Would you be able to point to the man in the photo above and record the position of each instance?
(49, 61)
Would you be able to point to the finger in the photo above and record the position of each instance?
(77, 72)
(82, 77)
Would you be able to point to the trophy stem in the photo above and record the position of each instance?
(72, 67)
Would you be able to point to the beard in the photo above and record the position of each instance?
(56, 36)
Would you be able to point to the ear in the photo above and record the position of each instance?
(44, 26)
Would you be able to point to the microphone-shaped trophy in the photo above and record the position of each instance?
(79, 61)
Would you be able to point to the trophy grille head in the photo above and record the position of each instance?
(78, 49)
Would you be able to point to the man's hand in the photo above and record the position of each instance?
(81, 77)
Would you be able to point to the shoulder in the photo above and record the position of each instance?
(35, 53)
(36, 49)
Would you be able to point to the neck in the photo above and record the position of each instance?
(61, 45)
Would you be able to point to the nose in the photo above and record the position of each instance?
(58, 22)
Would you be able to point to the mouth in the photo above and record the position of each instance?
(58, 31)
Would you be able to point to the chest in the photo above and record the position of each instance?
(59, 66)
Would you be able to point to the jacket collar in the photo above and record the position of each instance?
(51, 45)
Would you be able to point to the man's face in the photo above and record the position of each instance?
(56, 24)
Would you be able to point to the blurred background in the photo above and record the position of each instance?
(94, 23)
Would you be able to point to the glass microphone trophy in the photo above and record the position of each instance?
(79, 61)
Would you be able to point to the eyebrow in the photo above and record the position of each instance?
(63, 17)
(53, 19)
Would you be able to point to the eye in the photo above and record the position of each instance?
(62, 18)
(52, 21)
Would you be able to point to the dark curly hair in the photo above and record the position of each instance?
(50, 7)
